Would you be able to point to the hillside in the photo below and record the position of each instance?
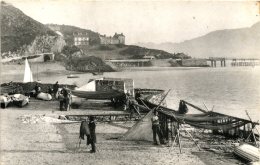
(243, 43)
(128, 52)
(68, 31)
(18, 30)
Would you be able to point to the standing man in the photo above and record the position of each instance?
(55, 88)
(36, 88)
(92, 129)
(156, 128)
(65, 94)
(84, 130)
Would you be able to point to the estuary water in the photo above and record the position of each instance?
(230, 90)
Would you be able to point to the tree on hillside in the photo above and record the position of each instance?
(69, 50)
(181, 56)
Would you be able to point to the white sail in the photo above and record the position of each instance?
(27, 72)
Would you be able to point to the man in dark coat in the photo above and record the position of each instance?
(65, 94)
(55, 88)
(84, 130)
(36, 88)
(92, 129)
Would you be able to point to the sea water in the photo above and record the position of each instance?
(229, 90)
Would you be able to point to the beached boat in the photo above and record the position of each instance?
(99, 95)
(248, 152)
(105, 88)
(219, 123)
(72, 76)
(44, 96)
(97, 73)
(5, 100)
(20, 100)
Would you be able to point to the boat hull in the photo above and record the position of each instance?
(72, 76)
(20, 100)
(4, 101)
(98, 95)
(44, 96)
(247, 152)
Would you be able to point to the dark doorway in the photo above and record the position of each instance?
(46, 58)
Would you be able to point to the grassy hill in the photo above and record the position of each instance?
(68, 31)
(18, 30)
(128, 52)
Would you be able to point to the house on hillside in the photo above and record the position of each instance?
(148, 57)
(81, 39)
(108, 40)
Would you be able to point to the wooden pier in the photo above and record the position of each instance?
(213, 61)
(245, 62)
(234, 62)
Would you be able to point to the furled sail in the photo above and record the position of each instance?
(27, 72)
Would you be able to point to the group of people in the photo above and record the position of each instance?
(88, 129)
(61, 94)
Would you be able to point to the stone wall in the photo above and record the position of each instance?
(161, 62)
(194, 62)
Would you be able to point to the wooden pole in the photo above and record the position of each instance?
(178, 134)
(192, 138)
(202, 110)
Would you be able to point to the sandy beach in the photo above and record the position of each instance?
(50, 141)
(38, 141)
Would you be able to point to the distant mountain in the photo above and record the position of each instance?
(67, 31)
(18, 30)
(244, 43)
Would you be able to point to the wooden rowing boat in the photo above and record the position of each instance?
(99, 95)
(5, 100)
(219, 123)
(20, 100)
(44, 96)
(247, 152)
(72, 76)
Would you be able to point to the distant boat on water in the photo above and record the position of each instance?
(97, 73)
(28, 76)
(72, 76)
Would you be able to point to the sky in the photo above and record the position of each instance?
(144, 21)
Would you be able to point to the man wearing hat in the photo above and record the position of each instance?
(92, 129)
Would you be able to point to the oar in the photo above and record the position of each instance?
(251, 121)
(205, 106)
(77, 144)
